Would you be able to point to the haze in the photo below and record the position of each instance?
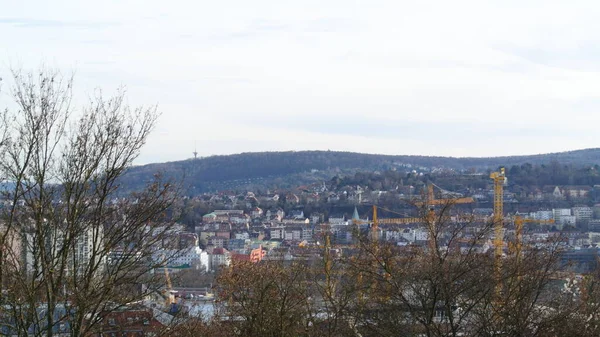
(460, 78)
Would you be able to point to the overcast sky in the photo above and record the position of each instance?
(452, 78)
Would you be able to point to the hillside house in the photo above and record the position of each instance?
(256, 213)
(219, 257)
(298, 214)
(577, 192)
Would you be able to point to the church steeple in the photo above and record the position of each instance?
(355, 214)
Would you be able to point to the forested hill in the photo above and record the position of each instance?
(217, 172)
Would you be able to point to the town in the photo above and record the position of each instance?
(250, 227)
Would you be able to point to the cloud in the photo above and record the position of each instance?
(372, 127)
(43, 23)
(584, 56)
(329, 25)
(262, 28)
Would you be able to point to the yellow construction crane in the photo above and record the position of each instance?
(518, 245)
(375, 228)
(500, 180)
(429, 202)
(430, 199)
(519, 221)
(169, 295)
(387, 221)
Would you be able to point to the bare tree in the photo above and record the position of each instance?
(333, 290)
(582, 296)
(71, 251)
(264, 299)
(529, 299)
(431, 289)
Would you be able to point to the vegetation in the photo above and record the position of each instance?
(70, 252)
(283, 169)
(527, 176)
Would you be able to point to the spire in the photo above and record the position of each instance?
(355, 214)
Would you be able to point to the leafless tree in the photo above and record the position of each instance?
(264, 299)
(70, 251)
(427, 290)
(529, 299)
(333, 290)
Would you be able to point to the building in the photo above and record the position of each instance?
(577, 192)
(580, 260)
(218, 242)
(421, 234)
(228, 212)
(219, 257)
(192, 257)
(13, 248)
(255, 255)
(257, 213)
(238, 245)
(293, 234)
(542, 215)
(299, 214)
(563, 217)
(583, 214)
(87, 245)
(594, 226)
(132, 321)
(241, 236)
(277, 233)
(337, 220)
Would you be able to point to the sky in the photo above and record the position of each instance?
(449, 78)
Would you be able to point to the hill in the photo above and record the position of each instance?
(280, 169)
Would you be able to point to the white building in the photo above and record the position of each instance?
(542, 215)
(337, 221)
(277, 233)
(193, 257)
(582, 213)
(219, 257)
(87, 249)
(568, 220)
(563, 216)
(293, 235)
(421, 234)
(228, 212)
(307, 233)
(242, 236)
(407, 234)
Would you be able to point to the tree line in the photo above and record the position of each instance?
(219, 172)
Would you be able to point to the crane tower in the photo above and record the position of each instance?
(500, 180)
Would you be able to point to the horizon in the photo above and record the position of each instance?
(460, 79)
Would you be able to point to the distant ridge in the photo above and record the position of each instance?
(209, 173)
